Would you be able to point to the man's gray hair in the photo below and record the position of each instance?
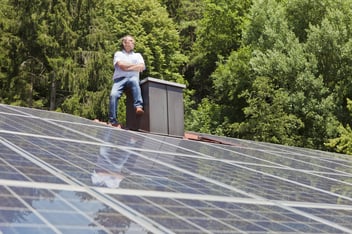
(123, 39)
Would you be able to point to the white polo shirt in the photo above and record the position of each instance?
(132, 57)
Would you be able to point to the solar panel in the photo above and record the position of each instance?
(65, 174)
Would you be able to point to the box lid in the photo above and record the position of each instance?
(150, 79)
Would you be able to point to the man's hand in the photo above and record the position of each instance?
(131, 67)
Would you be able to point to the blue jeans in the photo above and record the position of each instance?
(120, 84)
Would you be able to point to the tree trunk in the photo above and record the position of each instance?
(53, 92)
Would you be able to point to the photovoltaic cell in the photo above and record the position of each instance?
(65, 174)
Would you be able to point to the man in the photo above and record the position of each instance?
(128, 65)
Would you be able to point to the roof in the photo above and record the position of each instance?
(65, 174)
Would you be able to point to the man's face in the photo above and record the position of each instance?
(129, 44)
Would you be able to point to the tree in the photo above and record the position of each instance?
(156, 38)
(231, 77)
(9, 45)
(343, 142)
(301, 14)
(206, 118)
(218, 34)
(187, 15)
(60, 52)
(286, 100)
(43, 42)
(331, 44)
(156, 35)
(86, 94)
(268, 119)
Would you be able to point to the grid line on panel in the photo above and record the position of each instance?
(41, 185)
(37, 126)
(97, 141)
(246, 156)
(36, 161)
(255, 145)
(342, 217)
(52, 227)
(42, 114)
(297, 183)
(283, 204)
(246, 171)
(235, 221)
(48, 143)
(112, 203)
(200, 228)
(308, 215)
(174, 195)
(201, 187)
(321, 176)
(320, 220)
(60, 156)
(188, 172)
(307, 163)
(279, 165)
(197, 213)
(188, 150)
(74, 211)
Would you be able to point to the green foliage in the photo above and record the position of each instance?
(230, 78)
(268, 118)
(331, 43)
(278, 86)
(269, 70)
(189, 13)
(205, 118)
(156, 35)
(219, 32)
(302, 14)
(343, 143)
(59, 55)
(221, 27)
(93, 106)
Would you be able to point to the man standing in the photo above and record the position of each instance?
(128, 65)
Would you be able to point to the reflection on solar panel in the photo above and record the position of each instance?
(64, 174)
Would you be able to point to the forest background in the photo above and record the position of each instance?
(276, 71)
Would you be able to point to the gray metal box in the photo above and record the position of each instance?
(163, 108)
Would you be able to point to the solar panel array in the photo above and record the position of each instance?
(64, 174)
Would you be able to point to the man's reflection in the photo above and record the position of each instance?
(113, 164)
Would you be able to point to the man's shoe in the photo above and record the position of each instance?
(139, 111)
(116, 125)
